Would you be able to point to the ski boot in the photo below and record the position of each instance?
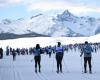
(35, 70)
(90, 72)
(85, 71)
(57, 71)
(39, 71)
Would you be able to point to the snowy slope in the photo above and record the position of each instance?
(23, 68)
(45, 41)
(63, 24)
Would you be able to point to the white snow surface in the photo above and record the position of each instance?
(45, 41)
(23, 68)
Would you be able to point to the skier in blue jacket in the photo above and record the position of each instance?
(87, 50)
(37, 57)
(59, 56)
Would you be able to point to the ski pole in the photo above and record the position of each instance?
(53, 64)
(81, 64)
(93, 64)
(65, 65)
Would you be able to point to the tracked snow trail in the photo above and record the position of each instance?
(23, 68)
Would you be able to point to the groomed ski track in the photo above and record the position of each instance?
(23, 68)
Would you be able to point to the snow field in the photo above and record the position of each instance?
(23, 68)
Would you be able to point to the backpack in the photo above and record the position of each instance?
(37, 52)
(87, 49)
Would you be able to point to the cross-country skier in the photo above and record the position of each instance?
(1, 53)
(14, 54)
(59, 56)
(87, 50)
(49, 51)
(37, 57)
(7, 50)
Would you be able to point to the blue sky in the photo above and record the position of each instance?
(15, 9)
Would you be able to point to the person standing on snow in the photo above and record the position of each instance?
(1, 53)
(14, 54)
(87, 50)
(49, 51)
(59, 56)
(37, 57)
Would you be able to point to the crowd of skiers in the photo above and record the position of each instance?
(85, 48)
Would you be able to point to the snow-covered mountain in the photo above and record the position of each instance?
(73, 25)
(64, 24)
